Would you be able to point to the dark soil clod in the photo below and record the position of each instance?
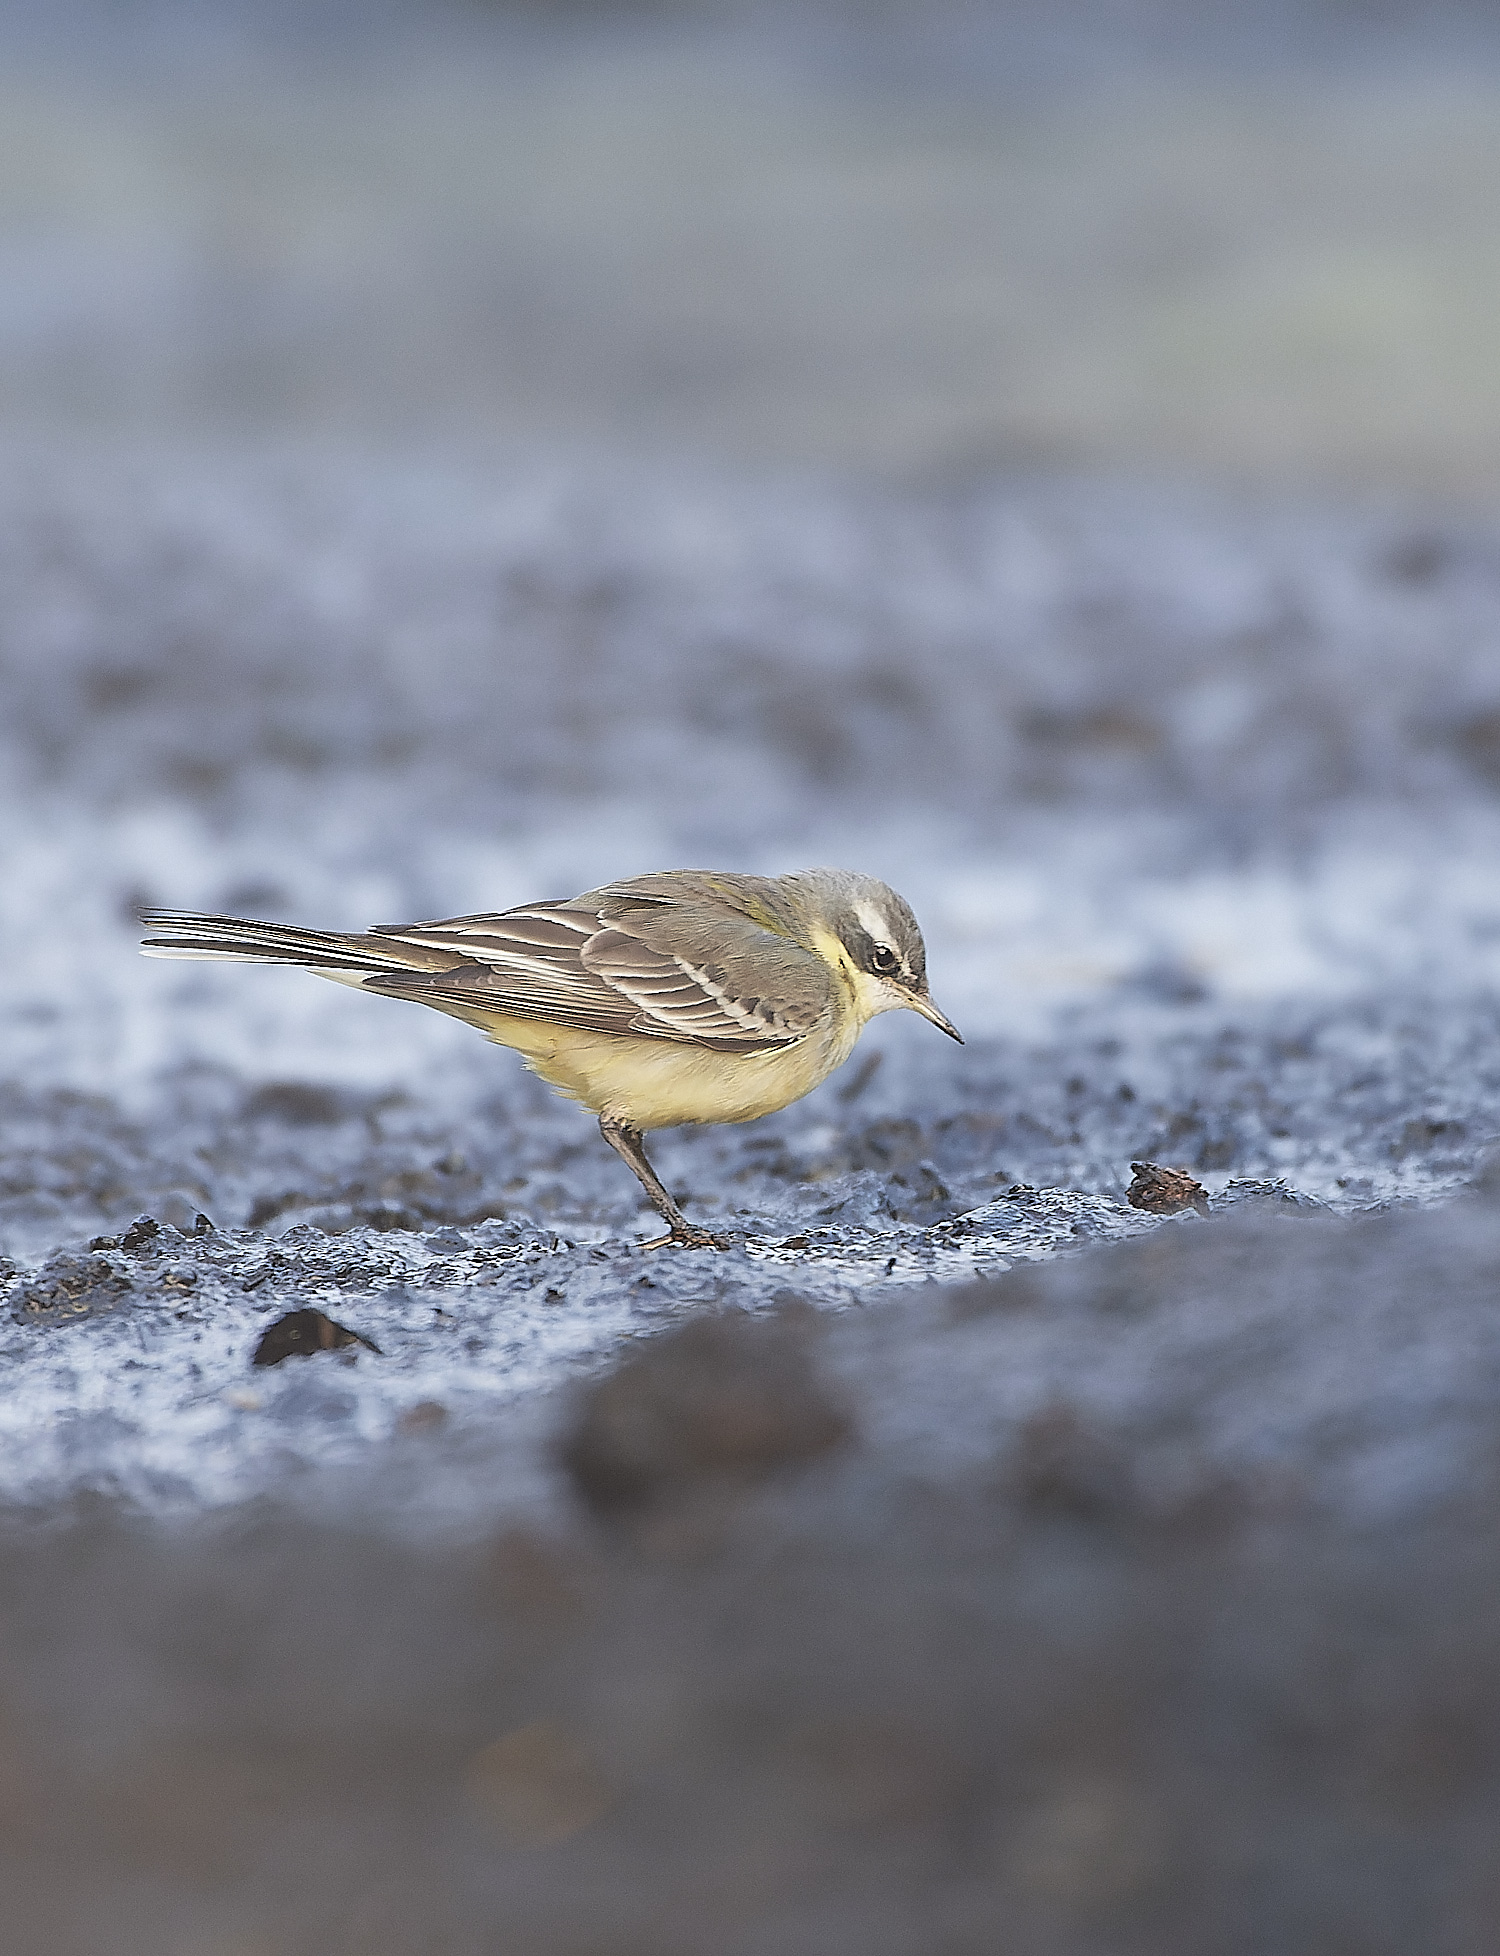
(1064, 1466)
(72, 1287)
(1164, 1191)
(298, 1334)
(720, 1401)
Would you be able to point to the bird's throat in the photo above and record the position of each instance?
(864, 996)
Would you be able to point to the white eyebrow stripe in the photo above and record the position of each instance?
(872, 921)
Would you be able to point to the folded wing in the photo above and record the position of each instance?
(702, 974)
(626, 959)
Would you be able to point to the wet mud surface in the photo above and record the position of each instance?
(1001, 1544)
(1142, 1600)
(490, 1255)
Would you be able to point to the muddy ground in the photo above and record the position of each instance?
(966, 1559)
(1141, 1600)
(489, 466)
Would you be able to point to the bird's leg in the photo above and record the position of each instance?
(627, 1144)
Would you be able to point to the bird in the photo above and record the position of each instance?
(683, 996)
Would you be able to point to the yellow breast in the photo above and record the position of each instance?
(653, 1083)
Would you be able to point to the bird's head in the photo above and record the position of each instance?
(869, 934)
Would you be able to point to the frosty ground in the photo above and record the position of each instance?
(1119, 1580)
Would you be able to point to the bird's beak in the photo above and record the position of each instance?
(919, 1002)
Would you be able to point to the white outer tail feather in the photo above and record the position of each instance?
(190, 934)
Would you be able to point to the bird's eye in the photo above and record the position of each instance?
(883, 959)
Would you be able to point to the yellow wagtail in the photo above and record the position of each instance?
(687, 996)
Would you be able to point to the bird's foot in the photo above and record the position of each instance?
(688, 1237)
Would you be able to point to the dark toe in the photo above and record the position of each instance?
(689, 1238)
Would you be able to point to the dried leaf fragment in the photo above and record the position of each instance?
(1164, 1191)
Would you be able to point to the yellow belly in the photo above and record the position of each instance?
(661, 1082)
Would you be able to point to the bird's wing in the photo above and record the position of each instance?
(702, 974)
(706, 965)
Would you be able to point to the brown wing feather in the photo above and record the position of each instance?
(699, 979)
(619, 960)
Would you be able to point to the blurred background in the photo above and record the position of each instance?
(933, 241)
(456, 451)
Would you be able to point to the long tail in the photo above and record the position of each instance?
(246, 940)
